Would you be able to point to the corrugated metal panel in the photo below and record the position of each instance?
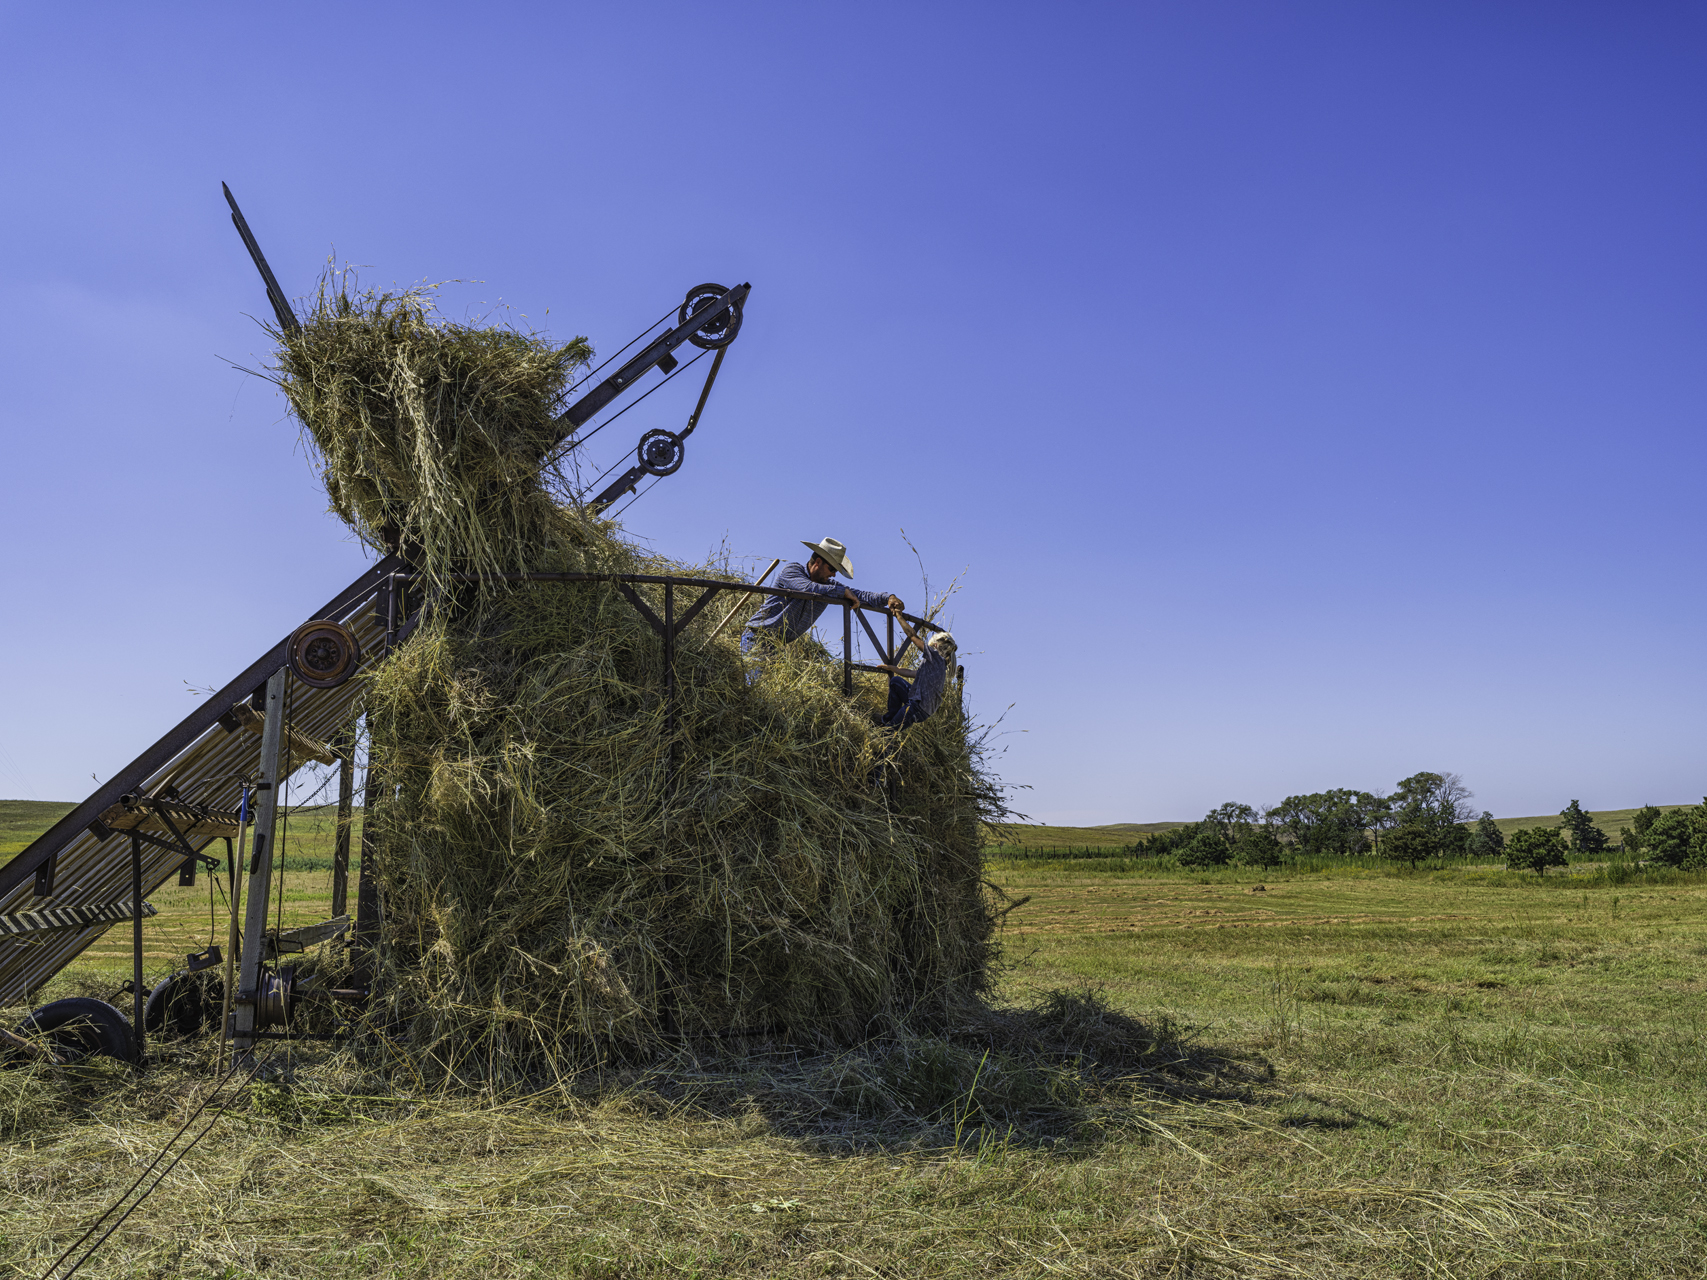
(204, 762)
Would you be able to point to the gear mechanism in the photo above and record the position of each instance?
(717, 333)
(661, 452)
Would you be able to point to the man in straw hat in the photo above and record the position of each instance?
(781, 619)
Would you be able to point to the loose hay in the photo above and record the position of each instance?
(546, 899)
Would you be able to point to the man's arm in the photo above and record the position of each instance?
(882, 600)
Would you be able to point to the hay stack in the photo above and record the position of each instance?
(544, 898)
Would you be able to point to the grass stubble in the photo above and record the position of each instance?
(1408, 1075)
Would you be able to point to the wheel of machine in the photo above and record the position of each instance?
(324, 654)
(721, 331)
(661, 452)
(178, 1006)
(79, 1027)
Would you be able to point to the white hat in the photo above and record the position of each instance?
(835, 555)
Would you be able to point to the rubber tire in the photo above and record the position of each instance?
(79, 1027)
(176, 1007)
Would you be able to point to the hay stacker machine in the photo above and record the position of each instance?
(211, 785)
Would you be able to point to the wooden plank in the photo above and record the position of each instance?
(301, 746)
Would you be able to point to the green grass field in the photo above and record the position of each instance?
(1466, 1073)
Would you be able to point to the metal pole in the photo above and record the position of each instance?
(889, 655)
(138, 1000)
(667, 1003)
(847, 650)
(231, 934)
(260, 869)
(346, 748)
(669, 688)
(366, 933)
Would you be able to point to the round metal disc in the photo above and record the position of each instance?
(661, 452)
(721, 331)
(324, 654)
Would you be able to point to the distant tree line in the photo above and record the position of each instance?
(1423, 818)
(1428, 816)
(1677, 838)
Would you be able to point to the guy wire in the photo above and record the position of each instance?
(586, 377)
(636, 498)
(668, 379)
(212, 1094)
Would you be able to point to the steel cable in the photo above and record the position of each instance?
(636, 498)
(589, 375)
(578, 441)
(161, 1155)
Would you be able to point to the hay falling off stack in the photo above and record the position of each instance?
(546, 901)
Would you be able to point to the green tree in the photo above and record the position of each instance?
(1535, 849)
(1231, 820)
(1635, 836)
(1172, 840)
(1586, 838)
(1410, 842)
(1209, 848)
(1678, 838)
(1259, 846)
(1328, 822)
(1435, 803)
(1486, 841)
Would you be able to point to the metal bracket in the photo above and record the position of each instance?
(292, 941)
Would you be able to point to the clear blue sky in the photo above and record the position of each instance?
(1312, 393)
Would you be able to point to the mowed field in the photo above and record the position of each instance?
(1450, 1074)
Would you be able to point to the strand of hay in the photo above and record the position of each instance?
(546, 900)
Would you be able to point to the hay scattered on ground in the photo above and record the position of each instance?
(1064, 1139)
(549, 899)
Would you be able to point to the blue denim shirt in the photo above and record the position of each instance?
(928, 679)
(790, 619)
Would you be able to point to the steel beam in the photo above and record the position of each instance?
(260, 868)
(581, 412)
(366, 935)
(138, 997)
(346, 748)
(847, 650)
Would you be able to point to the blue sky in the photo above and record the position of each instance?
(1311, 393)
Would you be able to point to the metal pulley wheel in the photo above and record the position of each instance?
(717, 333)
(324, 654)
(661, 452)
(276, 1000)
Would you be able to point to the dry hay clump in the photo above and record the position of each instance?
(546, 899)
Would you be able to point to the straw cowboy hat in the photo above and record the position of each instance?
(834, 553)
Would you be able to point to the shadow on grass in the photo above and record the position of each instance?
(1065, 1073)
